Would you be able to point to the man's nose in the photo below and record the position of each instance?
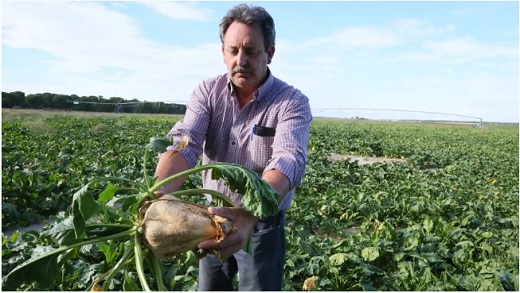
(241, 58)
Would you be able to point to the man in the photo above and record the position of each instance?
(249, 117)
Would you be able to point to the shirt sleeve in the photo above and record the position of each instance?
(194, 125)
(291, 140)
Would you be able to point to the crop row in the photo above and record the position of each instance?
(444, 219)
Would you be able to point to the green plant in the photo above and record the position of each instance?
(117, 231)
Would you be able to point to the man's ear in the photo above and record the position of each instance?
(223, 59)
(270, 54)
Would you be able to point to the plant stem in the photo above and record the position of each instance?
(139, 264)
(178, 175)
(128, 253)
(133, 182)
(99, 239)
(110, 273)
(202, 191)
(122, 226)
(94, 285)
(157, 272)
(84, 242)
(144, 197)
(145, 174)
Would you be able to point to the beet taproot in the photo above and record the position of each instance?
(172, 226)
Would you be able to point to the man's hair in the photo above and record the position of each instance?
(250, 15)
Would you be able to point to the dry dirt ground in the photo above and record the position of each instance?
(363, 160)
(34, 227)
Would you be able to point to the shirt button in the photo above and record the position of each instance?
(233, 143)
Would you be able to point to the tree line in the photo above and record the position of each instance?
(19, 100)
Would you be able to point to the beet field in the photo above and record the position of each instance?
(388, 206)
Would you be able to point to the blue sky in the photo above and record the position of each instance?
(448, 57)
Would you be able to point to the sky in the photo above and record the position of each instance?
(359, 56)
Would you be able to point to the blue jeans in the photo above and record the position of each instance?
(262, 271)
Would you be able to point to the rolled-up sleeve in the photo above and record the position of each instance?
(291, 140)
(194, 125)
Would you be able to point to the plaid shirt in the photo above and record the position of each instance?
(217, 126)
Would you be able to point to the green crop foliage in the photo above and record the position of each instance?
(445, 219)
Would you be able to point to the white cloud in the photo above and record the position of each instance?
(87, 38)
(466, 11)
(372, 38)
(99, 51)
(467, 48)
(409, 40)
(83, 35)
(401, 32)
(333, 79)
(181, 10)
(418, 28)
(358, 37)
(453, 51)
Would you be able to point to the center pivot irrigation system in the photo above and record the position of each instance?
(118, 106)
(402, 115)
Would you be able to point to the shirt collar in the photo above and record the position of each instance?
(261, 91)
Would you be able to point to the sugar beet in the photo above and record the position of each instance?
(172, 226)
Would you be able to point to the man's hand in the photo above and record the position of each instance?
(244, 222)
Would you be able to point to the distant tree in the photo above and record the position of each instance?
(162, 107)
(61, 101)
(48, 100)
(6, 100)
(87, 103)
(132, 108)
(18, 99)
(35, 101)
(93, 98)
(13, 99)
(145, 107)
(180, 109)
(115, 99)
(104, 105)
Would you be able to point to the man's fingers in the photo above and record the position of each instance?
(216, 249)
(233, 241)
(226, 252)
(214, 244)
(227, 213)
(209, 244)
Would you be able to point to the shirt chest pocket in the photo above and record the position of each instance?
(262, 151)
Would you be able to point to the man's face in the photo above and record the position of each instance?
(245, 55)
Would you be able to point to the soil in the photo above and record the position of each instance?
(364, 160)
(35, 227)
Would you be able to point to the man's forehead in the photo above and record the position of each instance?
(244, 30)
(246, 43)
